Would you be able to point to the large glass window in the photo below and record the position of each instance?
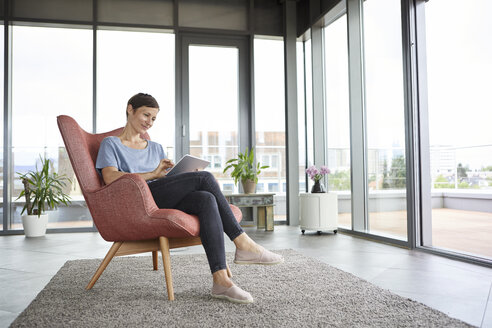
(459, 49)
(385, 118)
(133, 62)
(270, 118)
(51, 75)
(214, 107)
(338, 116)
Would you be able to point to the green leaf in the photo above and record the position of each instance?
(244, 166)
(46, 188)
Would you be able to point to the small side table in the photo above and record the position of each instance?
(261, 206)
(318, 212)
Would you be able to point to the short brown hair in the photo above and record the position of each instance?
(142, 99)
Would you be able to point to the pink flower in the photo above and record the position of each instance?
(312, 171)
(325, 170)
(315, 174)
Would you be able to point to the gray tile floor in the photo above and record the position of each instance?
(458, 289)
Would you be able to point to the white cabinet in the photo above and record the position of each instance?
(318, 212)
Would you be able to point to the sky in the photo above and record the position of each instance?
(459, 67)
(214, 93)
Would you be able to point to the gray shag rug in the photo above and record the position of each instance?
(300, 292)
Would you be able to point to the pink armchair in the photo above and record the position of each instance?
(124, 211)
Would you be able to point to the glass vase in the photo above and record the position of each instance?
(318, 187)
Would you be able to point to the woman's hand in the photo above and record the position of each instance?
(161, 170)
(111, 173)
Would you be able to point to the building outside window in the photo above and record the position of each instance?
(273, 187)
(228, 188)
(217, 162)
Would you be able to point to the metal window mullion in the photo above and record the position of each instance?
(411, 122)
(358, 152)
(7, 119)
(247, 115)
(178, 86)
(423, 126)
(247, 122)
(182, 138)
(94, 66)
(246, 85)
(291, 112)
(306, 155)
(94, 73)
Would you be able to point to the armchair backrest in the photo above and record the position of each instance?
(82, 148)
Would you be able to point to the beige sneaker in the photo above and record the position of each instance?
(265, 257)
(232, 294)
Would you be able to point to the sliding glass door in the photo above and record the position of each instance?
(212, 102)
(385, 119)
(214, 106)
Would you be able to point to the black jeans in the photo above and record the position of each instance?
(198, 193)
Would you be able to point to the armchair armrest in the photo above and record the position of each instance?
(131, 189)
(126, 210)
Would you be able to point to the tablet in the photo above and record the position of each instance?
(188, 163)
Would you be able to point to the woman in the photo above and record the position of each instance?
(194, 193)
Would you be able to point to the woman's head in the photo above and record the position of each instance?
(141, 112)
(139, 100)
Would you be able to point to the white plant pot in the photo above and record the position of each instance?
(35, 226)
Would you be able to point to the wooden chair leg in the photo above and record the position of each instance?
(109, 256)
(229, 273)
(155, 260)
(166, 259)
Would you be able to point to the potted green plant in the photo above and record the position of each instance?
(244, 170)
(43, 189)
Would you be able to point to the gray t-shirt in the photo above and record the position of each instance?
(113, 153)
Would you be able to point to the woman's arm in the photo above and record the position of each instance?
(111, 173)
